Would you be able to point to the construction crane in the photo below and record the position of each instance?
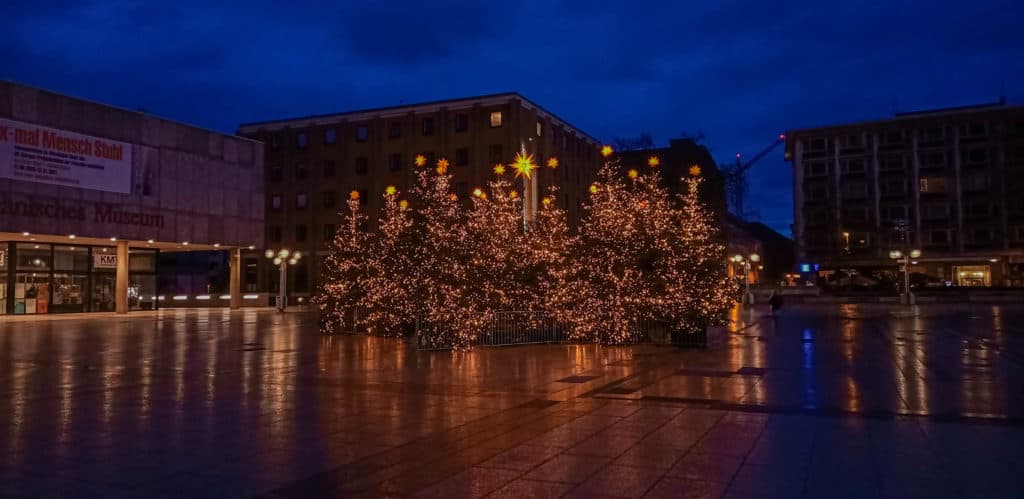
(736, 176)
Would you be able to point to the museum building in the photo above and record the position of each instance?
(91, 194)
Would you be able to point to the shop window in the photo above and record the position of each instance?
(141, 261)
(33, 257)
(71, 258)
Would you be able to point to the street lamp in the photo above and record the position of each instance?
(282, 258)
(903, 259)
(744, 263)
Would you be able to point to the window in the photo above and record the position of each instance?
(300, 140)
(938, 237)
(461, 122)
(395, 162)
(329, 136)
(890, 163)
(933, 184)
(893, 186)
(933, 134)
(329, 231)
(855, 190)
(276, 173)
(300, 233)
(274, 233)
(301, 201)
(816, 145)
(330, 168)
(817, 217)
(300, 171)
(933, 159)
(394, 129)
(540, 129)
(461, 156)
(496, 119)
(462, 190)
(975, 182)
(978, 209)
(275, 202)
(816, 169)
(427, 126)
(851, 141)
(494, 153)
(892, 137)
(362, 165)
(894, 213)
(275, 141)
(850, 166)
(935, 211)
(982, 235)
(362, 133)
(855, 214)
(817, 192)
(330, 198)
(974, 157)
(364, 197)
(974, 130)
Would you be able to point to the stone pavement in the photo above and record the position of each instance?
(825, 401)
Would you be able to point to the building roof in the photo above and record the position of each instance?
(397, 110)
(1000, 105)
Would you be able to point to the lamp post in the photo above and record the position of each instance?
(282, 258)
(744, 264)
(903, 259)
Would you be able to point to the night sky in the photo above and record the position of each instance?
(737, 71)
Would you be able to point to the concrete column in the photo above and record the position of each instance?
(235, 262)
(121, 283)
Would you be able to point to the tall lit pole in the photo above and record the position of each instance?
(903, 259)
(524, 166)
(282, 258)
(744, 264)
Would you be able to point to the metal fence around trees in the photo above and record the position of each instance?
(526, 327)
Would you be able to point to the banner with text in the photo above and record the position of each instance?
(38, 154)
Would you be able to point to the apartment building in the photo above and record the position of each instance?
(947, 182)
(312, 163)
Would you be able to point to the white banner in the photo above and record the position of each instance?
(101, 261)
(38, 154)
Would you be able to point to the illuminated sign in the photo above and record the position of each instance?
(34, 153)
(805, 267)
(101, 261)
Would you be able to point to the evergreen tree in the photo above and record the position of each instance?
(341, 290)
(392, 281)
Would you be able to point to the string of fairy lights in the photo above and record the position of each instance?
(444, 268)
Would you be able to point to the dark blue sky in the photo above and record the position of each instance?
(738, 71)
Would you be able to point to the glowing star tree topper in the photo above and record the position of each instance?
(523, 164)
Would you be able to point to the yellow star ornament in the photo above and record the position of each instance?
(390, 190)
(695, 171)
(607, 151)
(420, 160)
(499, 169)
(523, 165)
(353, 195)
(442, 166)
(633, 174)
(552, 162)
(653, 161)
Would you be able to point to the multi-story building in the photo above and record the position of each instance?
(312, 164)
(946, 182)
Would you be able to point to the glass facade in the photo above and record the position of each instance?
(63, 278)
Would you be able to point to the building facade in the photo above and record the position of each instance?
(945, 182)
(90, 194)
(313, 163)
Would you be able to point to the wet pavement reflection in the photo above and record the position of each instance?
(823, 401)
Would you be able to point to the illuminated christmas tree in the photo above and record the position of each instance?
(341, 291)
(392, 272)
